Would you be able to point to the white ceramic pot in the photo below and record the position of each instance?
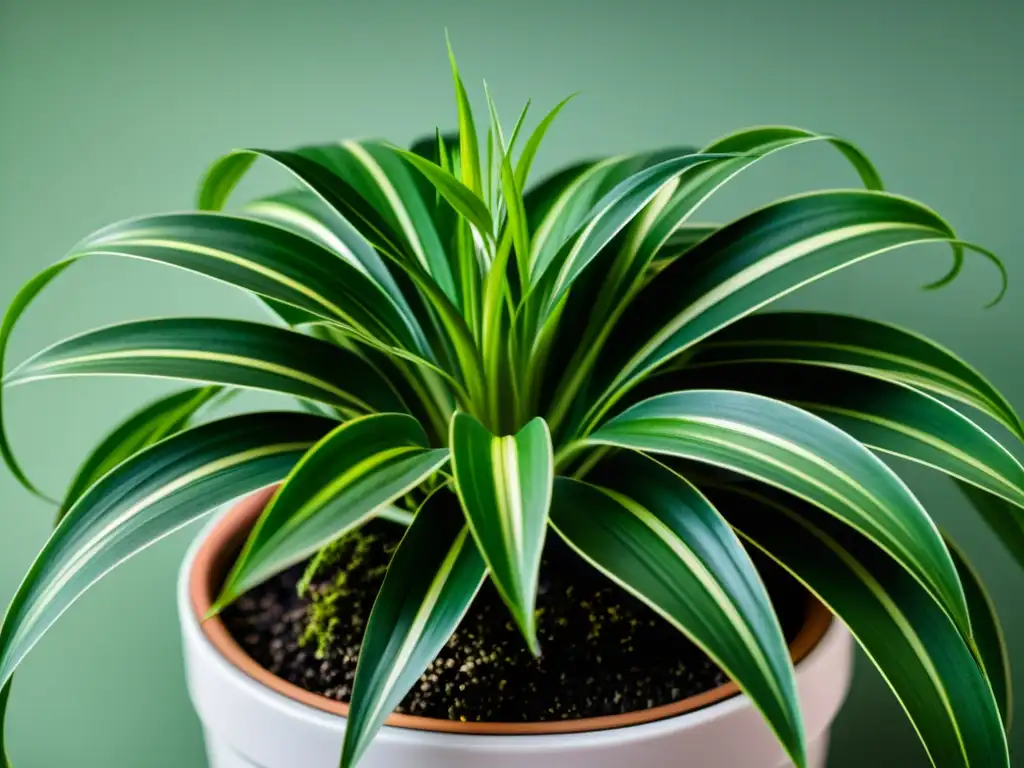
(252, 719)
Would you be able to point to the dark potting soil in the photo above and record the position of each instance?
(603, 651)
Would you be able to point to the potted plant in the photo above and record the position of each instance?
(484, 361)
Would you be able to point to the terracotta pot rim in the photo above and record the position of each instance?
(223, 540)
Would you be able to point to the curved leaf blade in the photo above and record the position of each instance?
(461, 198)
(430, 584)
(218, 351)
(17, 308)
(1005, 519)
(751, 262)
(261, 258)
(608, 217)
(654, 534)
(151, 424)
(504, 484)
(867, 346)
(347, 477)
(802, 454)
(883, 415)
(142, 500)
(905, 633)
(306, 214)
(991, 650)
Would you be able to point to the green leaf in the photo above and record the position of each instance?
(606, 219)
(151, 424)
(360, 467)
(905, 633)
(888, 417)
(750, 263)
(802, 454)
(462, 199)
(504, 484)
(5, 696)
(469, 151)
(989, 640)
(1005, 519)
(306, 214)
(654, 534)
(143, 499)
(261, 258)
(529, 153)
(855, 343)
(430, 584)
(218, 351)
(19, 304)
(400, 209)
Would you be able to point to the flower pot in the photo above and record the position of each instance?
(253, 719)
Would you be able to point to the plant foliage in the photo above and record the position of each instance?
(573, 354)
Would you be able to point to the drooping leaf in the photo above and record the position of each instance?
(1005, 519)
(855, 343)
(142, 500)
(653, 533)
(19, 304)
(504, 484)
(306, 214)
(335, 191)
(431, 582)
(147, 426)
(905, 633)
(989, 640)
(218, 351)
(802, 454)
(750, 263)
(889, 417)
(353, 472)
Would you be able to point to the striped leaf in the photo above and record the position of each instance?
(5, 696)
(1005, 519)
(218, 351)
(883, 415)
(317, 175)
(430, 584)
(654, 534)
(750, 263)
(989, 640)
(698, 184)
(143, 499)
(469, 150)
(306, 214)
(461, 198)
(399, 212)
(605, 220)
(802, 454)
(903, 631)
(504, 484)
(261, 258)
(355, 471)
(855, 343)
(151, 424)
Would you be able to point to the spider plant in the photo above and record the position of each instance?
(491, 360)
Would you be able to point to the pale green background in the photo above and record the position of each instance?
(110, 109)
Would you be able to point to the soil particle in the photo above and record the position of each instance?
(603, 651)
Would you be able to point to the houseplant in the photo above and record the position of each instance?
(484, 364)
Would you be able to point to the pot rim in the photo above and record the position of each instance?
(226, 536)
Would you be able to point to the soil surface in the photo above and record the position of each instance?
(603, 651)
